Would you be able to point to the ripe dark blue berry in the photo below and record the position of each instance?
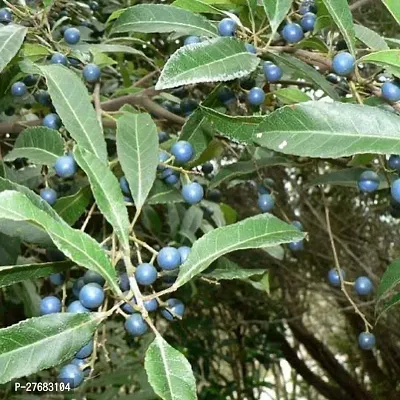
(343, 64)
(272, 72)
(292, 33)
(85, 351)
(30, 80)
(162, 137)
(93, 277)
(296, 246)
(363, 286)
(124, 282)
(368, 181)
(168, 258)
(91, 73)
(91, 295)
(77, 307)
(18, 89)
(266, 202)
(80, 363)
(308, 22)
(71, 374)
(49, 195)
(298, 225)
(72, 35)
(366, 340)
(5, 15)
(163, 156)
(334, 278)
(394, 162)
(226, 96)
(58, 58)
(170, 176)
(227, 27)
(207, 168)
(250, 48)
(77, 286)
(193, 193)
(136, 325)
(191, 40)
(146, 274)
(43, 97)
(151, 305)
(65, 166)
(184, 252)
(52, 121)
(395, 190)
(57, 279)
(175, 310)
(307, 6)
(183, 151)
(391, 91)
(256, 96)
(187, 106)
(50, 305)
(123, 183)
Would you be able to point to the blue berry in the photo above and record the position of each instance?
(184, 252)
(91, 73)
(57, 279)
(368, 181)
(93, 277)
(71, 374)
(250, 48)
(343, 64)
(256, 96)
(366, 340)
(266, 202)
(85, 351)
(261, 189)
(207, 168)
(394, 162)
(308, 22)
(391, 91)
(395, 190)
(30, 80)
(18, 89)
(65, 166)
(43, 97)
(151, 305)
(307, 6)
(296, 246)
(175, 310)
(91, 295)
(334, 278)
(226, 96)
(272, 72)
(74, 61)
(128, 308)
(227, 27)
(183, 151)
(146, 274)
(168, 258)
(162, 137)
(72, 35)
(124, 282)
(187, 106)
(163, 156)
(136, 325)
(292, 33)
(49, 195)
(5, 15)
(192, 193)
(170, 176)
(77, 307)
(50, 305)
(298, 225)
(363, 286)
(77, 286)
(191, 40)
(58, 58)
(80, 363)
(123, 183)
(52, 121)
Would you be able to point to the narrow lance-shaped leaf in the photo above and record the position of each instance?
(198, 6)
(394, 8)
(39, 145)
(389, 280)
(106, 191)
(10, 248)
(75, 244)
(370, 38)
(341, 14)
(216, 60)
(72, 102)
(259, 231)
(11, 39)
(159, 18)
(11, 274)
(329, 130)
(40, 343)
(169, 372)
(276, 11)
(388, 59)
(162, 193)
(137, 147)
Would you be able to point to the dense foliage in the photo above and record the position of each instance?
(199, 199)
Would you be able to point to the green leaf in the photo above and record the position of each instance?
(370, 38)
(75, 244)
(394, 8)
(291, 96)
(389, 279)
(137, 147)
(158, 18)
(106, 191)
(109, 48)
(262, 230)
(329, 130)
(39, 145)
(388, 59)
(169, 372)
(277, 252)
(216, 60)
(191, 222)
(226, 269)
(240, 128)
(10, 248)
(16, 273)
(11, 39)
(71, 208)
(72, 102)
(162, 193)
(276, 11)
(243, 168)
(347, 177)
(196, 6)
(151, 220)
(40, 343)
(341, 14)
(381, 308)
(306, 71)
